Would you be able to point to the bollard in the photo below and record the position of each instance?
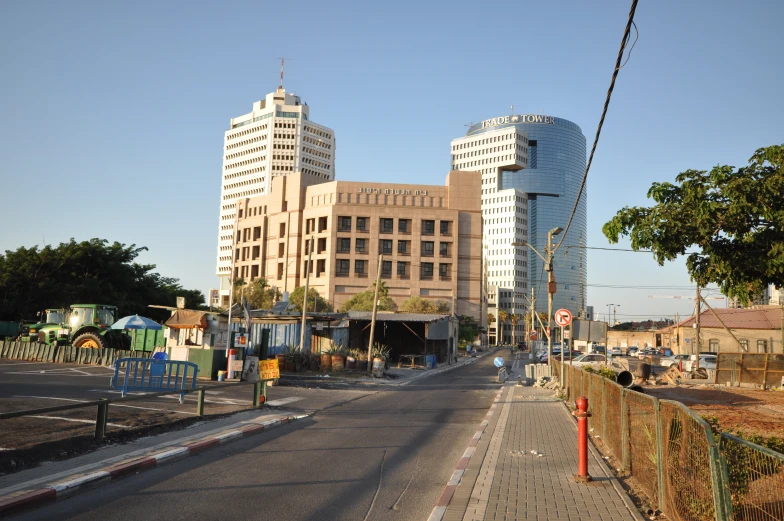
(256, 394)
(100, 421)
(200, 403)
(582, 415)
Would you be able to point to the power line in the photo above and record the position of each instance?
(624, 41)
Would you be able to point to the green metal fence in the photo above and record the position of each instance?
(755, 480)
(673, 456)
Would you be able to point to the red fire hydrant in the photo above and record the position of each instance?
(582, 415)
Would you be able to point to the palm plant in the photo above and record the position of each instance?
(502, 316)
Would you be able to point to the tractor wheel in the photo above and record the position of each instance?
(89, 340)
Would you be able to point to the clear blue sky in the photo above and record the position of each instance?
(112, 113)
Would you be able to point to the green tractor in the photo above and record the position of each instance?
(86, 325)
(50, 317)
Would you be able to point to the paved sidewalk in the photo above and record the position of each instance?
(510, 482)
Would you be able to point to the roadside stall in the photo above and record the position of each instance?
(199, 337)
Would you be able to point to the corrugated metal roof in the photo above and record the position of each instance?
(396, 317)
(768, 318)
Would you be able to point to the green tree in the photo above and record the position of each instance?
(417, 304)
(313, 297)
(93, 271)
(490, 318)
(733, 218)
(514, 319)
(364, 301)
(468, 329)
(258, 293)
(502, 317)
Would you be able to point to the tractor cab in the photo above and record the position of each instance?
(50, 317)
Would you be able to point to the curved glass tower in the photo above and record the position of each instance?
(550, 178)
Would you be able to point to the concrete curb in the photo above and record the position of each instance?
(29, 499)
(319, 380)
(449, 490)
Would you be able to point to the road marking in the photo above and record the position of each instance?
(113, 404)
(76, 420)
(62, 372)
(23, 363)
(283, 401)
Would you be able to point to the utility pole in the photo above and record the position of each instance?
(677, 334)
(533, 319)
(697, 325)
(551, 289)
(373, 317)
(305, 299)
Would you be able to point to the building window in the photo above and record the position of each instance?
(402, 270)
(385, 246)
(428, 227)
(386, 269)
(281, 249)
(445, 271)
(280, 271)
(360, 268)
(762, 346)
(322, 245)
(344, 266)
(446, 227)
(387, 225)
(713, 345)
(403, 248)
(282, 230)
(744, 343)
(404, 225)
(427, 271)
(444, 249)
(361, 246)
(344, 245)
(428, 248)
(362, 224)
(310, 226)
(322, 224)
(321, 267)
(344, 224)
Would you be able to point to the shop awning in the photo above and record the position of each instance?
(187, 319)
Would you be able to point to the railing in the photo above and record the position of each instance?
(259, 390)
(685, 470)
(756, 479)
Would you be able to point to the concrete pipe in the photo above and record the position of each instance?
(625, 379)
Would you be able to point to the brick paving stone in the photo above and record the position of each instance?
(528, 486)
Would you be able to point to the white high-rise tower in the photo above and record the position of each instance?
(275, 138)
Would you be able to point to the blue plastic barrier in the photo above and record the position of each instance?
(430, 361)
(145, 374)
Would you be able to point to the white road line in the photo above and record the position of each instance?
(283, 401)
(23, 363)
(76, 420)
(113, 405)
(53, 373)
(48, 398)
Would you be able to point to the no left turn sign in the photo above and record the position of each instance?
(563, 317)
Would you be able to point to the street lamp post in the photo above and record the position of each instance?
(551, 285)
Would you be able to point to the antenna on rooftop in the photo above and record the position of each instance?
(282, 63)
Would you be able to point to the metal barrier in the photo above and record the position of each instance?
(756, 480)
(145, 374)
(675, 459)
(259, 397)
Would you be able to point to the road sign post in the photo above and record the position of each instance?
(563, 317)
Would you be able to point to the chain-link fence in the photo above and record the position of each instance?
(756, 480)
(674, 458)
(643, 461)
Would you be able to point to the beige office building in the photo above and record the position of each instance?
(430, 238)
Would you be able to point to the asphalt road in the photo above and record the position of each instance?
(382, 455)
(32, 385)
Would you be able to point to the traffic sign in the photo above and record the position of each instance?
(563, 317)
(533, 335)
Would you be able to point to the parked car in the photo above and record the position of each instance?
(706, 362)
(632, 350)
(672, 361)
(645, 353)
(557, 356)
(594, 360)
(616, 351)
(597, 348)
(665, 351)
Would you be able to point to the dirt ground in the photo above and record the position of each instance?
(737, 409)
